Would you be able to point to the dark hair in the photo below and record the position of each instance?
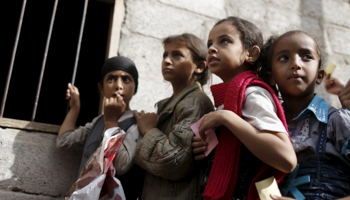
(198, 49)
(250, 34)
(267, 52)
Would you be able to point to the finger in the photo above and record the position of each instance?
(327, 76)
(142, 112)
(199, 150)
(196, 139)
(199, 157)
(198, 144)
(136, 115)
(119, 98)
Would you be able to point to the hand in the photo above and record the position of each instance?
(333, 85)
(344, 96)
(198, 148)
(274, 197)
(211, 120)
(113, 109)
(72, 95)
(146, 121)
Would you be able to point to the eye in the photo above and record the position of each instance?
(165, 55)
(209, 44)
(224, 41)
(283, 58)
(177, 54)
(307, 56)
(110, 79)
(126, 79)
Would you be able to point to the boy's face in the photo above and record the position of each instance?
(295, 65)
(226, 55)
(177, 65)
(118, 82)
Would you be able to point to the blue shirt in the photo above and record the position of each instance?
(304, 130)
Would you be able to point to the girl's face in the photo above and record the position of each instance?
(226, 55)
(177, 65)
(295, 64)
(118, 82)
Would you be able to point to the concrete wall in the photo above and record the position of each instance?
(30, 165)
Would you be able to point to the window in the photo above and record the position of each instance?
(52, 106)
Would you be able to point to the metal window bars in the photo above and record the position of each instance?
(45, 55)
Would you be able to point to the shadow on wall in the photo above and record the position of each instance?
(31, 167)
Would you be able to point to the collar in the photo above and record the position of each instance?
(319, 107)
(169, 104)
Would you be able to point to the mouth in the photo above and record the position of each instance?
(167, 69)
(117, 94)
(213, 60)
(295, 76)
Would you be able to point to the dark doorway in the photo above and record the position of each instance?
(60, 59)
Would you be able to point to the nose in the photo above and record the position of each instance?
(296, 63)
(212, 49)
(119, 84)
(166, 61)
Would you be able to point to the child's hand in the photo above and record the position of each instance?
(211, 120)
(198, 148)
(72, 95)
(146, 121)
(333, 85)
(344, 96)
(113, 109)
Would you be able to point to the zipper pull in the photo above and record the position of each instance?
(175, 155)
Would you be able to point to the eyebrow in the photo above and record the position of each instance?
(300, 50)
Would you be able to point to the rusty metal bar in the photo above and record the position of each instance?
(79, 43)
(12, 59)
(44, 60)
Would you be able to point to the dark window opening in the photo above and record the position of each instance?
(60, 61)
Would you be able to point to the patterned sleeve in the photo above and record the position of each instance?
(339, 125)
(169, 155)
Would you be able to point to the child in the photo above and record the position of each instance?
(165, 151)
(319, 133)
(119, 80)
(253, 141)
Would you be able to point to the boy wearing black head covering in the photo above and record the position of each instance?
(119, 81)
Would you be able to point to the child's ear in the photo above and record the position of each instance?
(320, 76)
(201, 65)
(253, 54)
(101, 89)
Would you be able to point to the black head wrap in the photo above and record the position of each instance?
(120, 63)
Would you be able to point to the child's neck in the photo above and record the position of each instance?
(295, 105)
(177, 88)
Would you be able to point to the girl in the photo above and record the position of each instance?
(319, 133)
(119, 80)
(253, 141)
(165, 151)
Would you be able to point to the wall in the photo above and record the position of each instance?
(146, 22)
(30, 165)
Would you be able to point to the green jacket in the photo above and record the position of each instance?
(165, 152)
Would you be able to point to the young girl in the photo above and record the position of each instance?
(319, 133)
(253, 141)
(119, 80)
(165, 151)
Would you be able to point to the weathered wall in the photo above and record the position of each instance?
(146, 22)
(30, 165)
